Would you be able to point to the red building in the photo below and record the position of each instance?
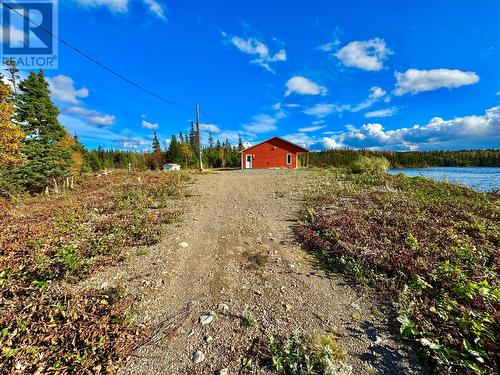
(273, 153)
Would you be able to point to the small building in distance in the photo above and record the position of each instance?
(274, 153)
(171, 167)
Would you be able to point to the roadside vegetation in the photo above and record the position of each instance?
(430, 249)
(49, 243)
(297, 353)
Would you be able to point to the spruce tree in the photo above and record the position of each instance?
(156, 159)
(210, 140)
(193, 137)
(46, 157)
(156, 143)
(36, 112)
(240, 143)
(174, 154)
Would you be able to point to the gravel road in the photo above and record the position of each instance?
(233, 261)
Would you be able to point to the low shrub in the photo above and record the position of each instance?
(372, 165)
(306, 354)
(48, 239)
(430, 247)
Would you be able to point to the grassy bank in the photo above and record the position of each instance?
(429, 248)
(48, 243)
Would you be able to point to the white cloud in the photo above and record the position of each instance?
(376, 92)
(414, 81)
(102, 120)
(120, 6)
(103, 135)
(62, 88)
(311, 128)
(387, 112)
(300, 139)
(304, 86)
(158, 9)
(461, 132)
(209, 128)
(261, 124)
(16, 37)
(330, 143)
(92, 117)
(253, 46)
(321, 110)
(366, 55)
(149, 125)
(134, 143)
(329, 47)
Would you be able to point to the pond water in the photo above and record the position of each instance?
(479, 178)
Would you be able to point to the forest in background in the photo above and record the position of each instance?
(410, 159)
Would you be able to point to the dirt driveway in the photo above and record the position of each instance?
(234, 255)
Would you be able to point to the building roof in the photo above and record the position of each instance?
(281, 139)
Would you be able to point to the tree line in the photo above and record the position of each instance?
(38, 154)
(184, 149)
(410, 159)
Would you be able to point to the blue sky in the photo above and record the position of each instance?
(324, 74)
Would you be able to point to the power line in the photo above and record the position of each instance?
(206, 114)
(77, 50)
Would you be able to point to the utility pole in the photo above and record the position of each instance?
(199, 136)
(13, 70)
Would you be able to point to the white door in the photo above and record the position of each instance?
(248, 164)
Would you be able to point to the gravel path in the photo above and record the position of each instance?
(233, 258)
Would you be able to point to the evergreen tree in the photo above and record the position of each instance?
(174, 151)
(35, 111)
(193, 137)
(240, 143)
(156, 143)
(47, 157)
(210, 140)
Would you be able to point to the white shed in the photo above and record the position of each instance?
(171, 167)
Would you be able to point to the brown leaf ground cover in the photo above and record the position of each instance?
(432, 250)
(49, 241)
